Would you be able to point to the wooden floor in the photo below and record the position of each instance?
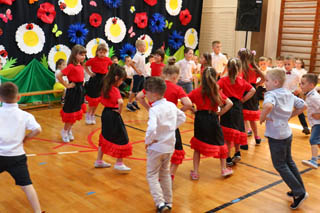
(66, 180)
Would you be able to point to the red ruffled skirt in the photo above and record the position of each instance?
(93, 102)
(216, 151)
(72, 117)
(234, 136)
(249, 115)
(114, 150)
(178, 154)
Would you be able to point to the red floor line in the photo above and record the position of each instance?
(61, 145)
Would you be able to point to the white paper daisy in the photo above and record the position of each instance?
(57, 52)
(70, 7)
(149, 44)
(115, 29)
(93, 45)
(173, 7)
(4, 57)
(191, 38)
(30, 38)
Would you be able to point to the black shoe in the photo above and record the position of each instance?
(290, 194)
(123, 94)
(297, 201)
(131, 108)
(244, 147)
(258, 141)
(236, 158)
(306, 130)
(135, 104)
(229, 162)
(163, 209)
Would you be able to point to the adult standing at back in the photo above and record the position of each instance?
(219, 61)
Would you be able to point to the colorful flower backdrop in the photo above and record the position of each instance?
(120, 23)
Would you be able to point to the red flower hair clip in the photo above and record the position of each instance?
(46, 12)
(185, 17)
(29, 26)
(3, 53)
(151, 2)
(7, 2)
(95, 19)
(141, 19)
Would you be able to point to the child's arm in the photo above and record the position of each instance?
(297, 111)
(226, 107)
(181, 117)
(262, 77)
(187, 104)
(59, 77)
(299, 106)
(90, 73)
(251, 92)
(141, 98)
(133, 65)
(32, 134)
(120, 103)
(316, 116)
(266, 109)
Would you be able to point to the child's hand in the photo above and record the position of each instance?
(92, 74)
(116, 110)
(71, 85)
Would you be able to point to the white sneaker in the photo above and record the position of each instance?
(65, 137)
(93, 119)
(70, 135)
(88, 119)
(122, 168)
(101, 164)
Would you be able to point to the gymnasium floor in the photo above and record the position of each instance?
(66, 180)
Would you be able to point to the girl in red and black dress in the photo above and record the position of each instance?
(232, 122)
(208, 137)
(252, 74)
(173, 93)
(99, 68)
(113, 139)
(74, 106)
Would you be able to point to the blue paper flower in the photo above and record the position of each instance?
(157, 23)
(113, 3)
(127, 50)
(175, 40)
(77, 33)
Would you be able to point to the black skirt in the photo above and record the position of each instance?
(94, 85)
(178, 154)
(74, 98)
(253, 103)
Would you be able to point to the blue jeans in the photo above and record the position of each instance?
(315, 135)
(283, 163)
(187, 86)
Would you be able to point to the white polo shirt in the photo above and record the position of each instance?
(186, 69)
(13, 124)
(140, 63)
(313, 103)
(292, 81)
(219, 62)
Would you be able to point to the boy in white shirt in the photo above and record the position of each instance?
(164, 119)
(186, 67)
(12, 136)
(219, 61)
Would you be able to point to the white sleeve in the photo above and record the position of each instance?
(298, 102)
(152, 127)
(181, 118)
(31, 123)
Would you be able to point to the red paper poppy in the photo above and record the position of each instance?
(8, 2)
(185, 17)
(3, 53)
(151, 2)
(95, 19)
(46, 13)
(141, 19)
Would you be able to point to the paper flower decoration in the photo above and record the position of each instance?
(115, 29)
(185, 17)
(70, 7)
(30, 38)
(141, 19)
(57, 52)
(95, 20)
(157, 23)
(93, 45)
(132, 9)
(175, 40)
(113, 3)
(46, 12)
(7, 2)
(3, 55)
(151, 2)
(173, 7)
(77, 33)
(149, 44)
(191, 38)
(127, 50)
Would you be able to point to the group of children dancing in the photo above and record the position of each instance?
(225, 104)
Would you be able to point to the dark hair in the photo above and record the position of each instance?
(110, 79)
(210, 87)
(8, 92)
(171, 60)
(216, 42)
(311, 78)
(187, 49)
(170, 70)
(247, 58)
(76, 49)
(127, 56)
(234, 66)
(302, 62)
(207, 57)
(160, 52)
(59, 62)
(114, 57)
(155, 85)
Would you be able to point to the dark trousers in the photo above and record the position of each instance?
(302, 119)
(283, 163)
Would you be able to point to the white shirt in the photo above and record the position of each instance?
(301, 72)
(65, 78)
(13, 124)
(164, 119)
(283, 102)
(186, 69)
(219, 62)
(313, 103)
(140, 63)
(129, 71)
(292, 81)
(148, 69)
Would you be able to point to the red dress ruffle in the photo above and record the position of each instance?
(234, 136)
(178, 156)
(73, 116)
(93, 102)
(249, 115)
(209, 150)
(114, 150)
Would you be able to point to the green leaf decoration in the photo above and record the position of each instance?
(44, 61)
(179, 54)
(111, 52)
(167, 52)
(10, 63)
(121, 63)
(197, 53)
(165, 60)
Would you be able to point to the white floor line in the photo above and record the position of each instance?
(72, 152)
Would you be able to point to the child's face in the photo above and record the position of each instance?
(270, 83)
(142, 48)
(279, 63)
(80, 57)
(196, 59)
(157, 58)
(263, 65)
(298, 64)
(115, 61)
(62, 65)
(151, 59)
(305, 85)
(217, 48)
(203, 60)
(101, 53)
(127, 61)
(288, 65)
(189, 55)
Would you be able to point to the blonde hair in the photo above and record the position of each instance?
(277, 74)
(170, 70)
(139, 43)
(101, 46)
(171, 60)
